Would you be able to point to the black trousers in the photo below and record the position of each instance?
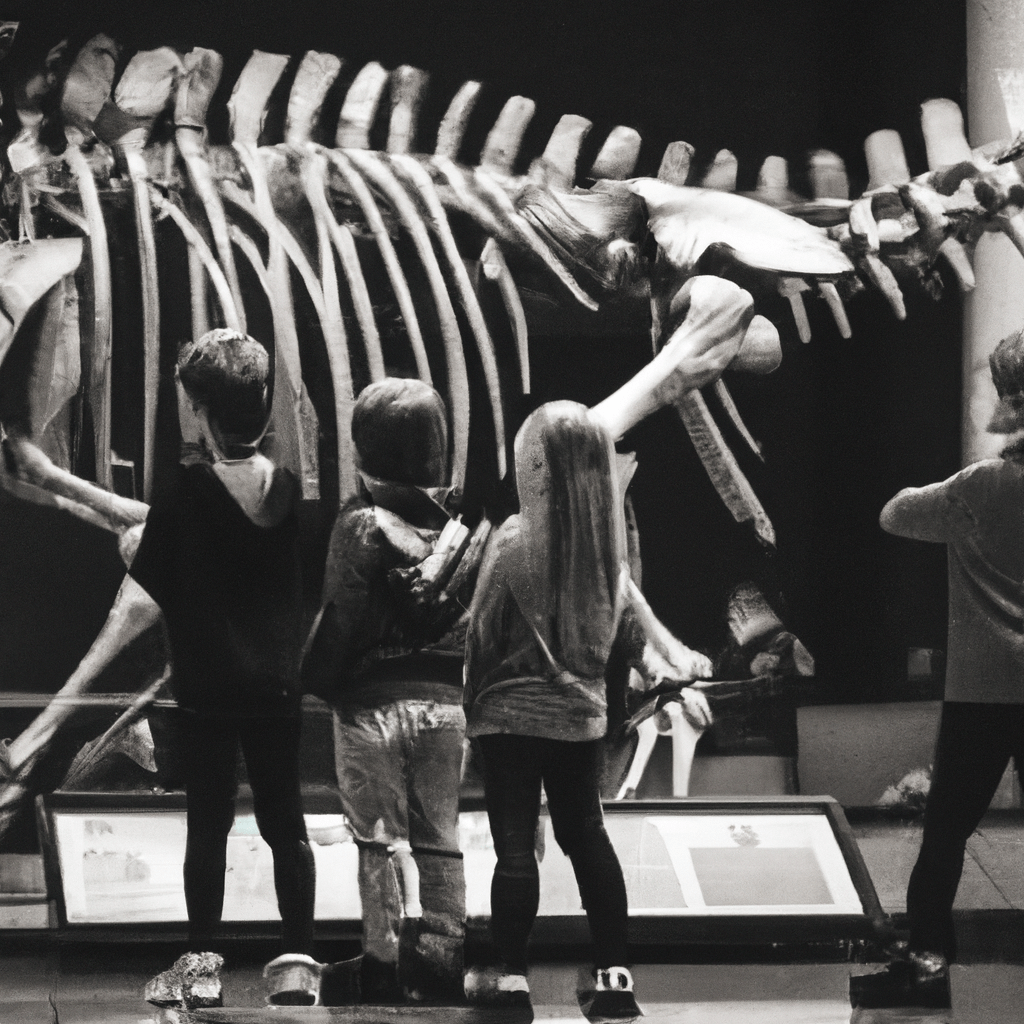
(514, 768)
(976, 742)
(209, 755)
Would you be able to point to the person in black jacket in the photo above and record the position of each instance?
(219, 554)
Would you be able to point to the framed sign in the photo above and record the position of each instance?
(696, 870)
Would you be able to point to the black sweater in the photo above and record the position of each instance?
(230, 592)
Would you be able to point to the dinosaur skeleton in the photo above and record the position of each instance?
(256, 218)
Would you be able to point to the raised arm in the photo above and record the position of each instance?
(919, 513)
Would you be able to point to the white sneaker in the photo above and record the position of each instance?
(491, 986)
(293, 979)
(613, 998)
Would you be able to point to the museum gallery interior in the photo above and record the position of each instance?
(476, 414)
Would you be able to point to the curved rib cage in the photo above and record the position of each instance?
(367, 239)
(302, 211)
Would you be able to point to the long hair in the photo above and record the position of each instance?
(572, 534)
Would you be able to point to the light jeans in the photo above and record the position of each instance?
(399, 766)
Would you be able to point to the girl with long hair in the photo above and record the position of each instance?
(553, 597)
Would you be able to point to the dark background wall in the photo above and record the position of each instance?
(844, 424)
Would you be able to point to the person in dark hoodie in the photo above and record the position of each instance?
(219, 554)
(392, 671)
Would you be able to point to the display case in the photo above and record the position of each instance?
(697, 871)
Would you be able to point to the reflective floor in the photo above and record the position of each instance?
(93, 989)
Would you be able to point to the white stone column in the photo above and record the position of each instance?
(995, 110)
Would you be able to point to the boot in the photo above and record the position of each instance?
(340, 983)
(381, 900)
(378, 981)
(430, 965)
(430, 948)
(919, 979)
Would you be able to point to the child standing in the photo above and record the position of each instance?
(393, 674)
(553, 596)
(219, 555)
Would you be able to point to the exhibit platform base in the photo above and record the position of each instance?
(761, 871)
(683, 994)
(363, 1015)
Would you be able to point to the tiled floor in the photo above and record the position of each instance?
(993, 877)
(92, 986)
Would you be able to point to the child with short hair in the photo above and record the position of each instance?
(219, 554)
(392, 672)
(979, 515)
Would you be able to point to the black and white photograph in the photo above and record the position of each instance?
(511, 511)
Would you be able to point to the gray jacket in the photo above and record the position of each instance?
(979, 515)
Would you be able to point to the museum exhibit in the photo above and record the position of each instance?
(570, 452)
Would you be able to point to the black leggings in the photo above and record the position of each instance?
(514, 768)
(209, 749)
(976, 741)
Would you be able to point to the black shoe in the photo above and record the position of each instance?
(430, 965)
(432, 988)
(435, 995)
(921, 980)
(930, 980)
(341, 983)
(378, 982)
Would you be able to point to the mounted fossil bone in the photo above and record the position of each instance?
(86, 88)
(685, 222)
(132, 613)
(32, 477)
(294, 418)
(142, 94)
(297, 210)
(542, 215)
(202, 71)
